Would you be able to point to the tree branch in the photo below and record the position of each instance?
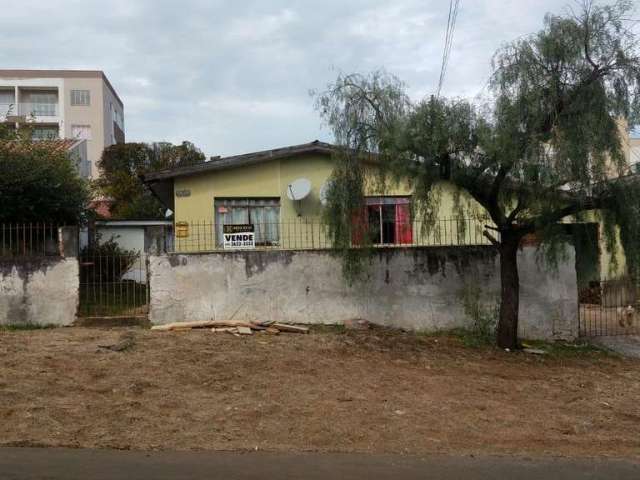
(491, 238)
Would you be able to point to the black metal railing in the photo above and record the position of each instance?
(113, 285)
(610, 307)
(312, 234)
(29, 240)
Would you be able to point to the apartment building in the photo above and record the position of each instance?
(64, 104)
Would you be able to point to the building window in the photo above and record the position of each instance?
(387, 221)
(41, 104)
(80, 98)
(7, 103)
(81, 132)
(262, 213)
(44, 133)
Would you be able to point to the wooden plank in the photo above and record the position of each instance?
(201, 324)
(283, 327)
(244, 331)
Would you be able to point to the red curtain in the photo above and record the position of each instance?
(404, 232)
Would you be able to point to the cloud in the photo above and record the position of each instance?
(234, 76)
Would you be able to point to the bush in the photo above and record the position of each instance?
(484, 316)
(106, 261)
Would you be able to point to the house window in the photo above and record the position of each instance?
(387, 221)
(80, 98)
(82, 132)
(262, 213)
(44, 133)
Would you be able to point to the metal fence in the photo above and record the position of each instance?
(610, 307)
(29, 240)
(312, 234)
(113, 285)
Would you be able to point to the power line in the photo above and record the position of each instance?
(454, 7)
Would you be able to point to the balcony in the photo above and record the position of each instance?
(7, 110)
(38, 109)
(39, 112)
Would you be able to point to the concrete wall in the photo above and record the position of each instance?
(40, 291)
(421, 289)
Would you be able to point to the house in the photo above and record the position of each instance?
(255, 189)
(252, 189)
(64, 104)
(142, 237)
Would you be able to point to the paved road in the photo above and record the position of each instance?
(67, 464)
(625, 345)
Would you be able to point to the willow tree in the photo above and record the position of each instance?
(545, 146)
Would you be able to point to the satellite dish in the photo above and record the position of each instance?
(324, 191)
(298, 189)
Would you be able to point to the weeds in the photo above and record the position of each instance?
(16, 327)
(483, 315)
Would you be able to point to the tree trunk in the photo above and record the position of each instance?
(507, 331)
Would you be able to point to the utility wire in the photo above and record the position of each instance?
(454, 7)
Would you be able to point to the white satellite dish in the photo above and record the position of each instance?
(298, 189)
(324, 191)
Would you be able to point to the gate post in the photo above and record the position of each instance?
(154, 240)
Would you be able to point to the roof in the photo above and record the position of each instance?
(234, 161)
(57, 145)
(132, 223)
(26, 73)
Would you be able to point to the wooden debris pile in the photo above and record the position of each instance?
(233, 327)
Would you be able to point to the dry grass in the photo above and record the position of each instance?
(372, 391)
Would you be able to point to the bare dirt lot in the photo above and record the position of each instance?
(370, 391)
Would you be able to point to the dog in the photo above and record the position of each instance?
(626, 316)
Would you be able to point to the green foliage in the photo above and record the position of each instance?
(106, 261)
(37, 185)
(623, 211)
(122, 165)
(484, 316)
(542, 148)
(19, 327)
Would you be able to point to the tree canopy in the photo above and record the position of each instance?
(544, 146)
(122, 165)
(38, 183)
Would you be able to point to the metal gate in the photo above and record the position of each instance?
(610, 308)
(113, 286)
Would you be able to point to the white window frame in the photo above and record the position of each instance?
(80, 98)
(86, 128)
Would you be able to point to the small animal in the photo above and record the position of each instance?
(626, 316)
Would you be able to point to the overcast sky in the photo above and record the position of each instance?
(234, 76)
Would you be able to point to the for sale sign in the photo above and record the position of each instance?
(238, 237)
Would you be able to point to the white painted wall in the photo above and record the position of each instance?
(417, 289)
(39, 291)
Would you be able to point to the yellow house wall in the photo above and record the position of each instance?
(300, 223)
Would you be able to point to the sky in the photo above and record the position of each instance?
(235, 76)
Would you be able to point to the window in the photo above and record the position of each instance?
(262, 213)
(387, 221)
(44, 133)
(80, 97)
(42, 104)
(7, 103)
(82, 132)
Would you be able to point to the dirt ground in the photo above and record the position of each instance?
(373, 391)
